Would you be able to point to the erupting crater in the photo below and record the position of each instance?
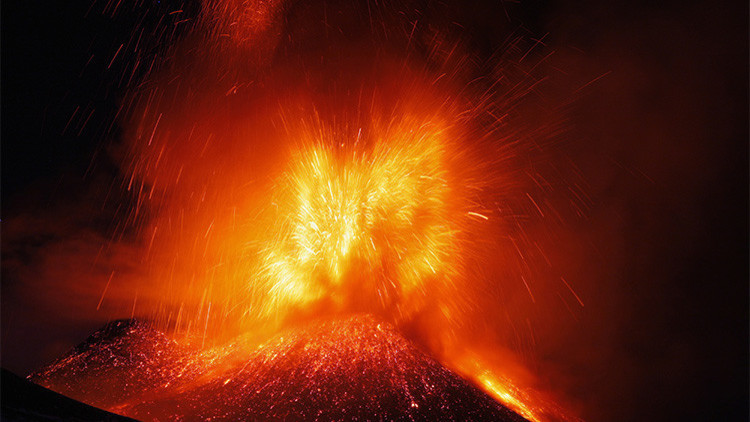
(331, 369)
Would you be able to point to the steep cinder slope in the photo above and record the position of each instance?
(342, 369)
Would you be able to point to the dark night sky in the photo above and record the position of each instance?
(673, 113)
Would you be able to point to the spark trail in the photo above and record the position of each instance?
(292, 162)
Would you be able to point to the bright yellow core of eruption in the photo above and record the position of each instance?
(363, 228)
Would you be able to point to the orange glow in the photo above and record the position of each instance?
(525, 401)
(356, 220)
(266, 196)
(501, 392)
(246, 23)
(158, 379)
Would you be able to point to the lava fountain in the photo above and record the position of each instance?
(293, 162)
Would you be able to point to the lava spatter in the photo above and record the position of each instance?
(336, 369)
(122, 360)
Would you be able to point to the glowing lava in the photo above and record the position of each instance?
(347, 369)
(364, 164)
(364, 226)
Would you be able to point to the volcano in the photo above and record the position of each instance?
(336, 369)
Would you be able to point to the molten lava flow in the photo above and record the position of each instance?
(526, 402)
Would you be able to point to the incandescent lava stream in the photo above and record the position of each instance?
(334, 369)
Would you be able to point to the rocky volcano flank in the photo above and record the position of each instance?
(344, 369)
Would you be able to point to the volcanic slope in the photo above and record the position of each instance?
(344, 369)
(124, 360)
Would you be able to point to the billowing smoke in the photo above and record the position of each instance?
(516, 203)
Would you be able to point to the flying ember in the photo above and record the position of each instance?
(366, 224)
(323, 188)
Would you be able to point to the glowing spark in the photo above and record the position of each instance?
(105, 290)
(363, 220)
(572, 291)
(476, 214)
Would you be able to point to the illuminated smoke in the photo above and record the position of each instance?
(285, 169)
